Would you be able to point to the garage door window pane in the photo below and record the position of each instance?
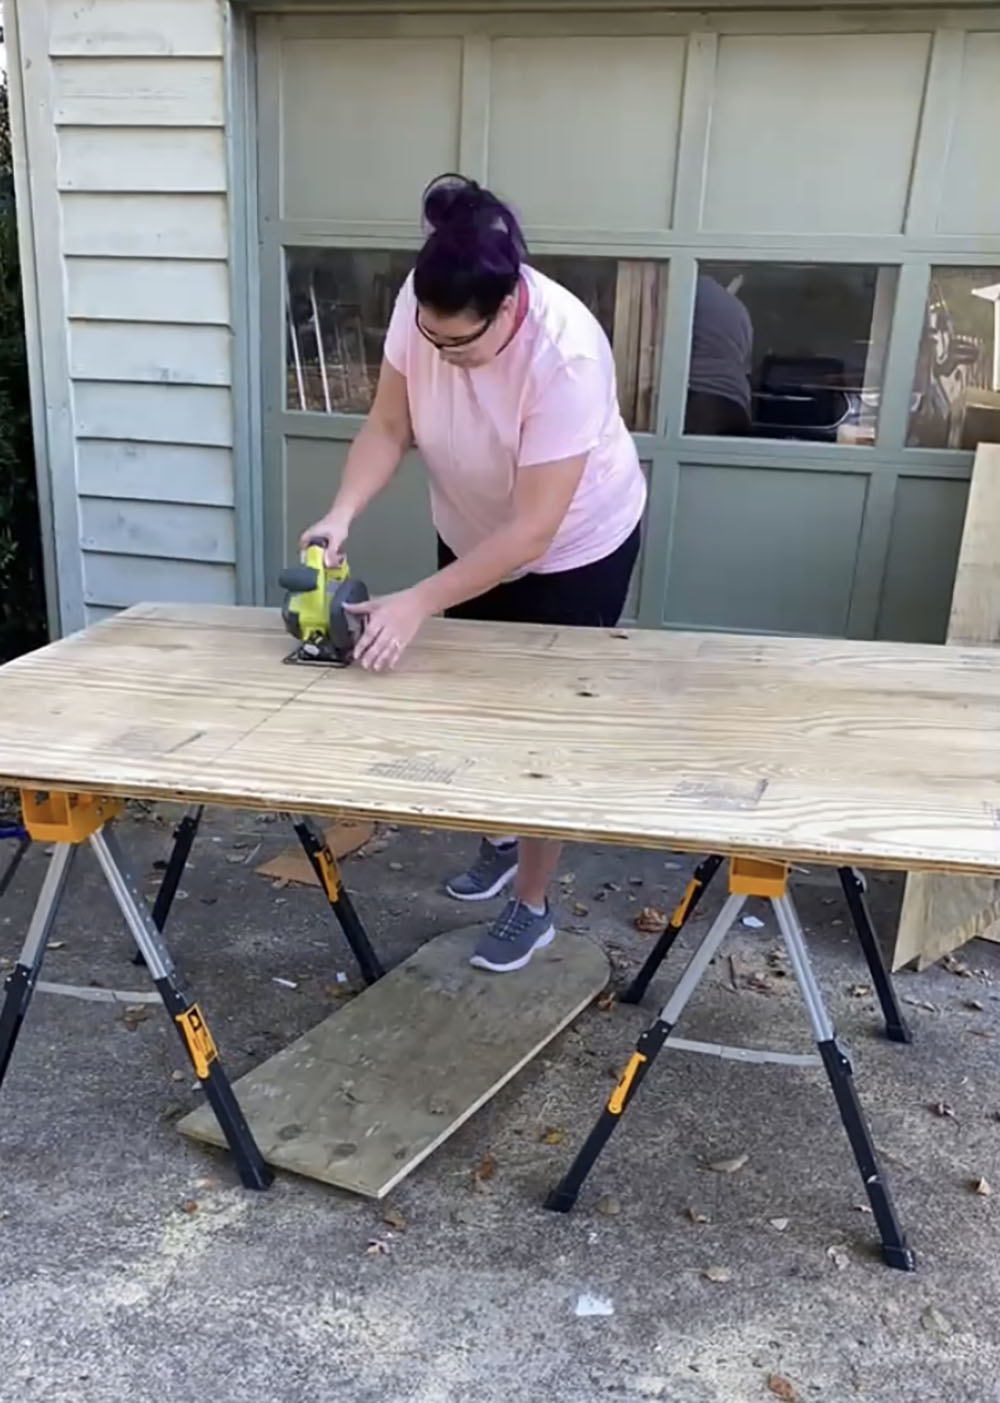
(339, 302)
(338, 306)
(789, 350)
(956, 392)
(628, 297)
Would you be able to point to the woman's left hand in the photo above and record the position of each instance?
(391, 624)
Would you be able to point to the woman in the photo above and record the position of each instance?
(506, 385)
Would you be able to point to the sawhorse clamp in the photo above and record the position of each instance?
(68, 821)
(768, 880)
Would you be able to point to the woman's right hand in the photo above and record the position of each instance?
(332, 528)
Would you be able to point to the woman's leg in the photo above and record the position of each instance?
(537, 860)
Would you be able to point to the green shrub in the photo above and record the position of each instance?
(22, 598)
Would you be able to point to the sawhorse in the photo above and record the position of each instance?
(70, 820)
(767, 880)
(324, 864)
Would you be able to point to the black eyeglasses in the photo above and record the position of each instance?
(453, 343)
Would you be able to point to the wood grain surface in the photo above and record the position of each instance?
(360, 1100)
(835, 750)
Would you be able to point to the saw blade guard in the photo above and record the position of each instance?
(346, 629)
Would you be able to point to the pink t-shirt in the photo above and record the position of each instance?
(550, 394)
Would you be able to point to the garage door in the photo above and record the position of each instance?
(835, 176)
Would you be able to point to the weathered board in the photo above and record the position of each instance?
(364, 1097)
(840, 751)
(941, 912)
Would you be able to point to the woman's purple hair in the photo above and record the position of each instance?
(472, 257)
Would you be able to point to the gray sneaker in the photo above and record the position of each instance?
(492, 870)
(513, 938)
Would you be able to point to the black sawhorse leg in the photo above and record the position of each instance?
(768, 880)
(323, 862)
(696, 889)
(184, 836)
(896, 1029)
(182, 1010)
(16, 858)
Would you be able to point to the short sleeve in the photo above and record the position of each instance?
(397, 336)
(567, 416)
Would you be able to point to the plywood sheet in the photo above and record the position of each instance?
(363, 1098)
(941, 912)
(832, 750)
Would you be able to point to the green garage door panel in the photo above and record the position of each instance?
(392, 544)
(365, 124)
(764, 549)
(923, 554)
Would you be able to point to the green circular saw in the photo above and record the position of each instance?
(313, 609)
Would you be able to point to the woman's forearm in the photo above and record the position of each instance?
(485, 566)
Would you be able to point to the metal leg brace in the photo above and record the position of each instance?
(832, 1057)
(184, 1013)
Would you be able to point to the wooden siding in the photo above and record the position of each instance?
(138, 100)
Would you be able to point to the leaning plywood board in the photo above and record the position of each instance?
(942, 912)
(364, 1097)
(292, 865)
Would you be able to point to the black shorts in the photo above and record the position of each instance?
(589, 596)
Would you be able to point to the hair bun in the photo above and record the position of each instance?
(455, 202)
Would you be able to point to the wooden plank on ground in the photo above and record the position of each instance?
(942, 912)
(364, 1097)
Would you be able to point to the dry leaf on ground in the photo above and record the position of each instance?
(942, 1109)
(839, 1256)
(394, 1219)
(783, 1388)
(728, 1166)
(554, 1135)
(651, 921)
(485, 1169)
(377, 1248)
(861, 991)
(580, 909)
(609, 1206)
(982, 1187)
(717, 1274)
(778, 1224)
(607, 1000)
(693, 1215)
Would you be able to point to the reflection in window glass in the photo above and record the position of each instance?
(789, 350)
(956, 391)
(338, 306)
(628, 298)
(339, 302)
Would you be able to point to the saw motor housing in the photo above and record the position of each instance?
(313, 608)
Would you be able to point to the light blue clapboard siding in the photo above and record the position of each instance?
(143, 351)
(195, 414)
(115, 581)
(138, 101)
(176, 532)
(150, 225)
(155, 472)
